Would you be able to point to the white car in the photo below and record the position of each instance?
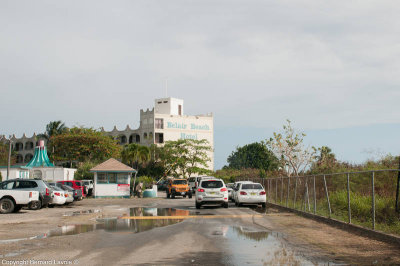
(251, 193)
(211, 191)
(229, 186)
(192, 183)
(58, 197)
(236, 187)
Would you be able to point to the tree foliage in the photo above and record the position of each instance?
(82, 145)
(254, 155)
(52, 129)
(83, 171)
(4, 154)
(288, 146)
(185, 157)
(135, 155)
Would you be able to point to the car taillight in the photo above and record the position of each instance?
(66, 195)
(223, 189)
(243, 193)
(76, 193)
(200, 190)
(262, 193)
(30, 194)
(57, 194)
(47, 192)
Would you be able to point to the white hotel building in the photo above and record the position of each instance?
(166, 121)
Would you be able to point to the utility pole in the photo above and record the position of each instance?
(398, 188)
(9, 158)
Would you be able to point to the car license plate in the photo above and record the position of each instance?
(212, 193)
(253, 194)
(182, 193)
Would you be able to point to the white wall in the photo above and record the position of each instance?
(109, 190)
(189, 127)
(169, 108)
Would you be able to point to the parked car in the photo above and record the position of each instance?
(75, 184)
(178, 187)
(89, 186)
(77, 193)
(59, 197)
(211, 191)
(251, 193)
(162, 185)
(68, 192)
(13, 200)
(39, 185)
(192, 183)
(236, 187)
(229, 186)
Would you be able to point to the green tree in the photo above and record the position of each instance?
(136, 155)
(82, 145)
(52, 129)
(254, 155)
(288, 146)
(4, 154)
(83, 171)
(185, 157)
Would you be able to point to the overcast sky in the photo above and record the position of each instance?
(326, 65)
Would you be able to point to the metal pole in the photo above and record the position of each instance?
(315, 199)
(9, 159)
(295, 192)
(398, 189)
(373, 200)
(308, 196)
(348, 198)
(288, 190)
(327, 197)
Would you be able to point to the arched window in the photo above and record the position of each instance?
(20, 159)
(29, 145)
(28, 158)
(145, 136)
(137, 138)
(122, 139)
(19, 146)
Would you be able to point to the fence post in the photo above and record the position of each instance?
(295, 191)
(276, 190)
(327, 197)
(308, 196)
(288, 190)
(315, 199)
(348, 197)
(281, 190)
(373, 200)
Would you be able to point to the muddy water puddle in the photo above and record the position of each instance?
(251, 246)
(113, 224)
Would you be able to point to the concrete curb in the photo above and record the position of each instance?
(356, 229)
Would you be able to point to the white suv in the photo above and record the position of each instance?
(211, 191)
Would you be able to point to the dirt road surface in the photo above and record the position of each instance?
(109, 232)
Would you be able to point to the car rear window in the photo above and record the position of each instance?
(251, 186)
(212, 184)
(78, 183)
(230, 185)
(179, 182)
(192, 179)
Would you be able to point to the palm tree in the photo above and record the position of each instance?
(135, 155)
(53, 128)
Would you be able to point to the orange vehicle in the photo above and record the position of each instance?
(178, 187)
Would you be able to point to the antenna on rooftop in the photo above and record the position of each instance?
(166, 87)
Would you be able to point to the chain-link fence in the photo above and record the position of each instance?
(366, 198)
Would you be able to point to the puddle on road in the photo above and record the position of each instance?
(77, 213)
(114, 224)
(250, 246)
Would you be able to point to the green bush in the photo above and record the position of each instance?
(361, 208)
